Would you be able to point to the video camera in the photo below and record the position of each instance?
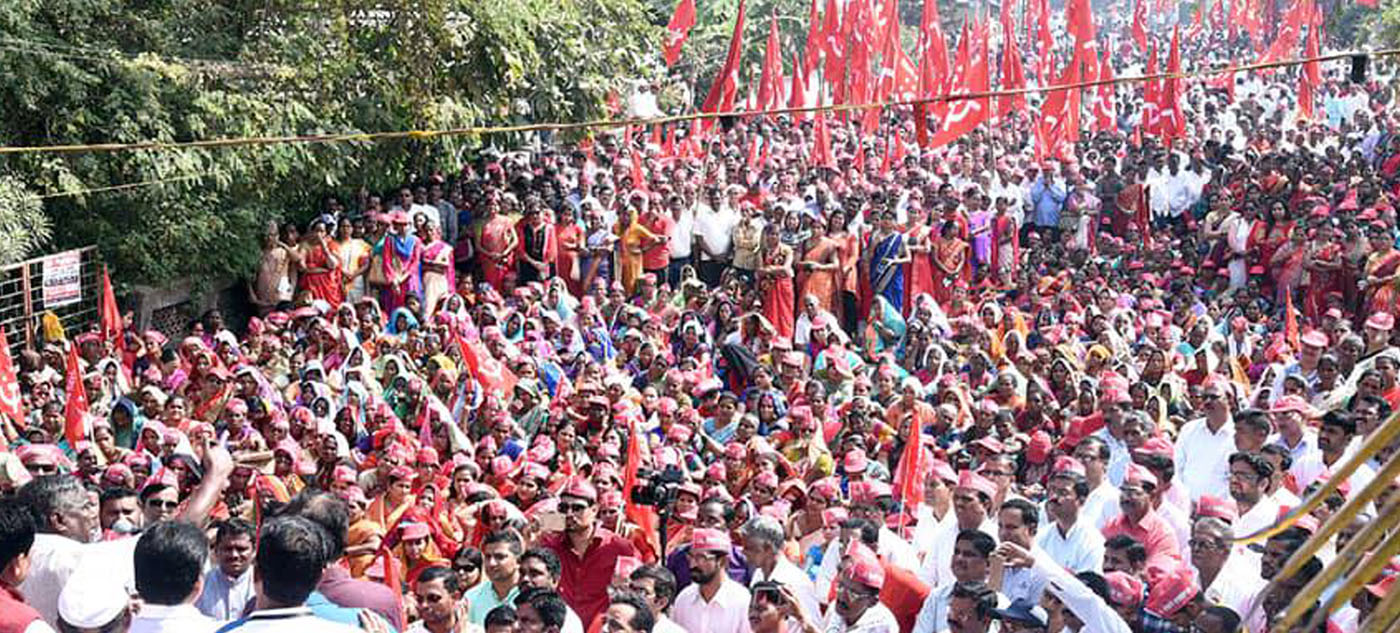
(657, 489)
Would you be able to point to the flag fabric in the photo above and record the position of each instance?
(834, 43)
(1059, 116)
(111, 316)
(933, 52)
(958, 117)
(1290, 323)
(1140, 24)
(1013, 75)
(726, 83)
(642, 516)
(816, 39)
(1043, 35)
(1105, 107)
(493, 375)
(770, 82)
(75, 409)
(1198, 21)
(797, 92)
(1151, 106)
(678, 29)
(909, 473)
(1173, 119)
(821, 144)
(1310, 77)
(11, 402)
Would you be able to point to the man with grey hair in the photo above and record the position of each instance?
(65, 514)
(763, 547)
(1227, 575)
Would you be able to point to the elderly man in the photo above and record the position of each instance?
(66, 517)
(1229, 575)
(764, 538)
(1204, 445)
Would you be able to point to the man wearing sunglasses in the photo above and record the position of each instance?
(1204, 445)
(587, 552)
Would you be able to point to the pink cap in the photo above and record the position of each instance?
(1172, 591)
(1314, 338)
(943, 470)
(991, 444)
(1213, 506)
(974, 481)
(1291, 404)
(1065, 463)
(538, 471)
(706, 539)
(864, 567)
(344, 475)
(832, 517)
(1137, 474)
(1156, 445)
(413, 531)
(735, 450)
(855, 461)
(1381, 321)
(581, 489)
(679, 433)
(718, 471)
(625, 565)
(767, 478)
(1124, 589)
(611, 499)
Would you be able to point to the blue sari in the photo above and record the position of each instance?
(886, 278)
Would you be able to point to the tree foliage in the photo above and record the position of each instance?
(22, 221)
(125, 71)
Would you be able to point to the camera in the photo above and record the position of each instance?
(657, 489)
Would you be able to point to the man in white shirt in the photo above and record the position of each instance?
(1287, 414)
(714, 226)
(1249, 473)
(67, 519)
(1226, 575)
(972, 500)
(1087, 606)
(1204, 445)
(1102, 503)
(228, 587)
(291, 555)
(712, 603)
(1016, 523)
(169, 561)
(971, 563)
(764, 538)
(1072, 543)
(680, 236)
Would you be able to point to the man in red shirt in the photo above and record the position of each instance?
(1140, 521)
(587, 552)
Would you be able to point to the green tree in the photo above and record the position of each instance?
(129, 71)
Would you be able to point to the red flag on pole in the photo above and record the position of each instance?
(75, 409)
(1151, 113)
(1290, 323)
(816, 40)
(961, 116)
(1013, 75)
(1173, 119)
(1140, 24)
(1309, 78)
(933, 51)
(770, 82)
(834, 44)
(797, 92)
(726, 83)
(1105, 108)
(491, 373)
(678, 29)
(11, 403)
(111, 316)
(821, 144)
(909, 473)
(643, 517)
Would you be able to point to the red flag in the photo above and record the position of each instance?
(1217, 15)
(493, 375)
(111, 317)
(933, 52)
(76, 408)
(678, 29)
(797, 92)
(1309, 78)
(1059, 116)
(834, 42)
(1198, 21)
(1013, 76)
(1286, 44)
(1151, 113)
(816, 40)
(909, 473)
(770, 82)
(1173, 119)
(821, 144)
(1105, 106)
(642, 516)
(961, 116)
(1042, 33)
(11, 403)
(726, 83)
(1290, 323)
(1140, 24)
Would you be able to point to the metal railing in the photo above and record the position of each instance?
(31, 288)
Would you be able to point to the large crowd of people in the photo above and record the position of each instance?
(692, 380)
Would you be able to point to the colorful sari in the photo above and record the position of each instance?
(629, 256)
(326, 285)
(1381, 297)
(439, 276)
(402, 256)
(497, 254)
(822, 284)
(566, 261)
(949, 257)
(778, 305)
(920, 271)
(886, 277)
(889, 334)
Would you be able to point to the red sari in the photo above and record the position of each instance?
(569, 238)
(948, 257)
(497, 258)
(778, 305)
(326, 286)
(1381, 297)
(920, 275)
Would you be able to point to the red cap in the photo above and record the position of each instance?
(735, 450)
(718, 471)
(1213, 506)
(1124, 589)
(1065, 463)
(1116, 396)
(706, 539)
(1381, 321)
(413, 531)
(974, 481)
(1137, 474)
(834, 516)
(1314, 338)
(1156, 445)
(864, 567)
(679, 433)
(991, 444)
(768, 478)
(538, 471)
(402, 472)
(581, 489)
(1291, 404)
(1038, 449)
(1172, 592)
(943, 470)
(855, 461)
(344, 475)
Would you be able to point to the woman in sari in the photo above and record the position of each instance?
(396, 499)
(319, 262)
(439, 271)
(497, 246)
(920, 273)
(402, 260)
(569, 238)
(775, 281)
(1006, 247)
(821, 268)
(949, 255)
(536, 248)
(848, 275)
(354, 259)
(636, 239)
(1382, 272)
(885, 261)
(885, 329)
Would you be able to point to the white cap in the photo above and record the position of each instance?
(91, 601)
